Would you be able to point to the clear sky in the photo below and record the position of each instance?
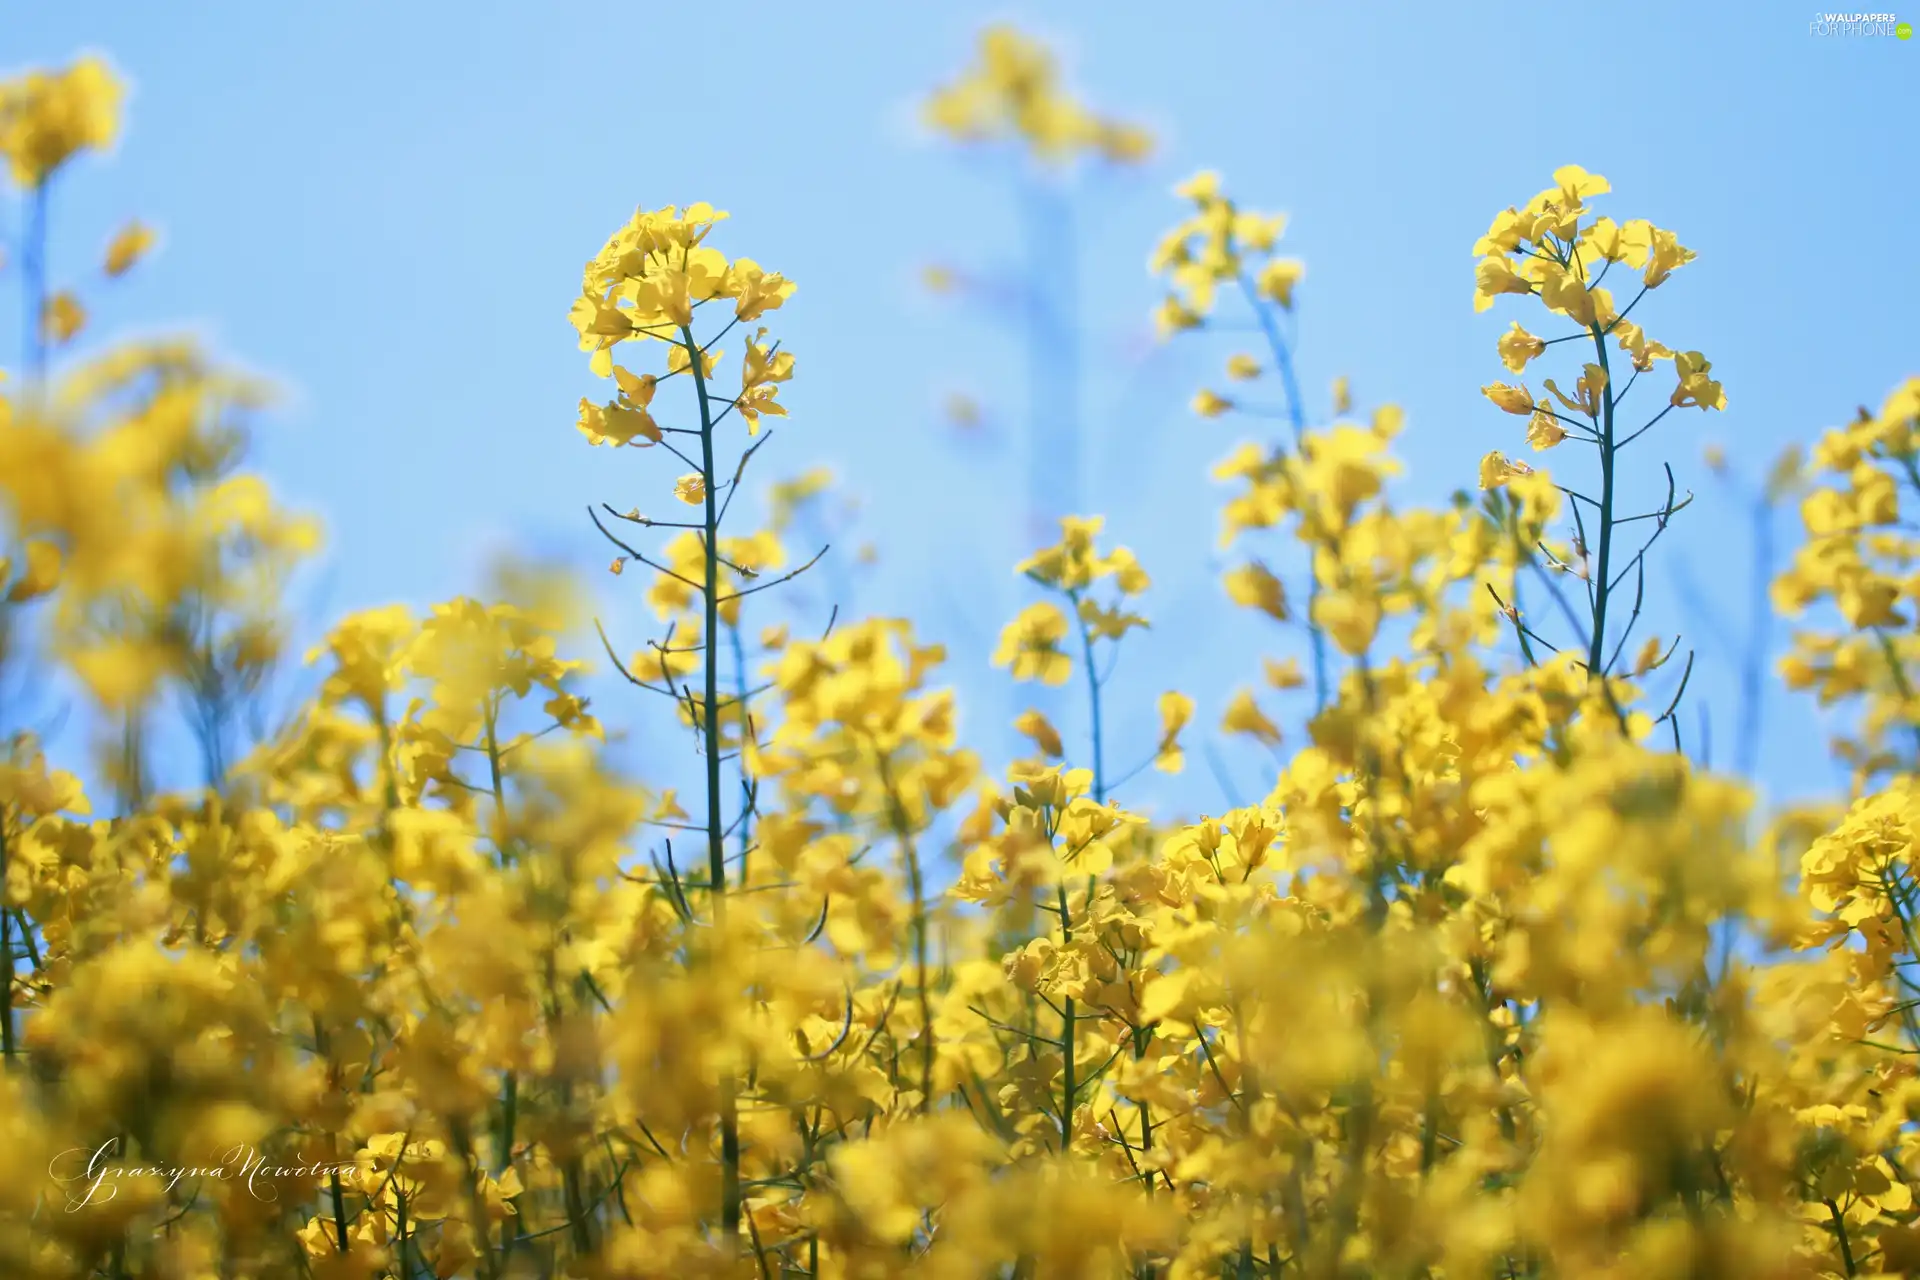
(386, 206)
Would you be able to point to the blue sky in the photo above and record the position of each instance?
(386, 206)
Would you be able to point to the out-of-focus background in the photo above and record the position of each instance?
(385, 208)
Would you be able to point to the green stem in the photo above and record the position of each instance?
(730, 1203)
(7, 1046)
(400, 1233)
(33, 290)
(1603, 569)
(33, 268)
(578, 1214)
(1840, 1233)
(1753, 667)
(1093, 706)
(339, 1213)
(504, 1156)
(916, 885)
(1068, 1020)
(509, 1106)
(1297, 419)
(1141, 1040)
(462, 1138)
(497, 782)
(1068, 1015)
(746, 783)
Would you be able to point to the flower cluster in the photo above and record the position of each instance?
(1013, 91)
(48, 117)
(1220, 246)
(654, 273)
(1487, 979)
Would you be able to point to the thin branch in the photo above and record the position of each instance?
(785, 577)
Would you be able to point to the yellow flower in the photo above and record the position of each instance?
(1512, 399)
(1172, 316)
(1576, 184)
(1284, 673)
(1629, 243)
(636, 389)
(1030, 645)
(761, 372)
(1665, 255)
(1503, 236)
(1202, 188)
(1254, 586)
(1125, 568)
(1496, 469)
(1242, 367)
(1588, 391)
(1649, 657)
(1072, 563)
(755, 291)
(1013, 91)
(121, 672)
(1543, 431)
(1124, 143)
(45, 118)
(1562, 291)
(1495, 276)
(691, 488)
(61, 318)
(1041, 731)
(1696, 388)
(616, 424)
(130, 244)
(1517, 347)
(1257, 232)
(1278, 278)
(1244, 717)
(1209, 405)
(1105, 623)
(38, 576)
(1176, 709)
(678, 361)
(1351, 616)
